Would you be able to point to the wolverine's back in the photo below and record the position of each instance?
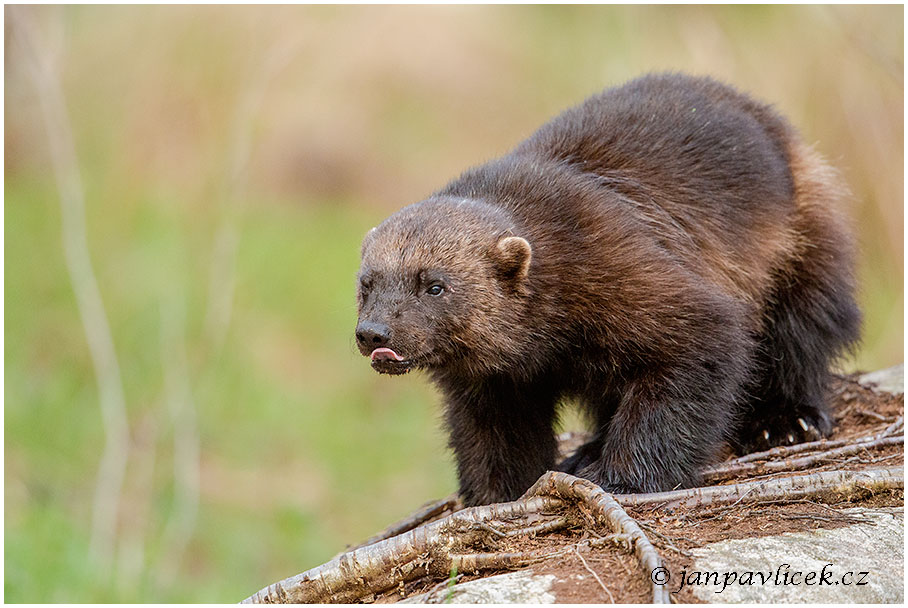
(706, 166)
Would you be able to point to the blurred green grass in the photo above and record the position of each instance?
(303, 448)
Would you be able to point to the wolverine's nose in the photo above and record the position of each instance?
(373, 335)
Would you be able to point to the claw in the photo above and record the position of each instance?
(791, 438)
(765, 434)
(803, 424)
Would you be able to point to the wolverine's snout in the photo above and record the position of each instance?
(374, 340)
(371, 335)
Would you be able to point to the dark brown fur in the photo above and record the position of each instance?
(679, 269)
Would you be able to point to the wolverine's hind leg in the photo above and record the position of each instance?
(584, 456)
(809, 321)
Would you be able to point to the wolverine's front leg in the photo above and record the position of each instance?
(502, 437)
(675, 414)
(661, 435)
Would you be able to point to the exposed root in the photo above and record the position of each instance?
(720, 511)
(543, 528)
(475, 562)
(431, 549)
(799, 486)
(874, 415)
(668, 541)
(896, 427)
(431, 596)
(424, 514)
(438, 548)
(738, 468)
(435, 549)
(607, 511)
(824, 444)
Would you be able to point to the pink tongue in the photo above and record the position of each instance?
(385, 354)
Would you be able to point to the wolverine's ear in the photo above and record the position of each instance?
(513, 255)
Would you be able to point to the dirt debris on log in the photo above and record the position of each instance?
(595, 551)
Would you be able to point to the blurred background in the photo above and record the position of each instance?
(186, 416)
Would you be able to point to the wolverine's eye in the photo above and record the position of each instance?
(365, 285)
(435, 290)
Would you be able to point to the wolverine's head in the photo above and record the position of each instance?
(440, 282)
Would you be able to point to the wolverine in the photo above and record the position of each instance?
(669, 255)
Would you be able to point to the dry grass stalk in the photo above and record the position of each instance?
(112, 468)
(186, 449)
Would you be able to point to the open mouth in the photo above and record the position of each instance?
(386, 361)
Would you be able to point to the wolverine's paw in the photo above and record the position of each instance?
(583, 457)
(805, 423)
(595, 473)
(614, 489)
